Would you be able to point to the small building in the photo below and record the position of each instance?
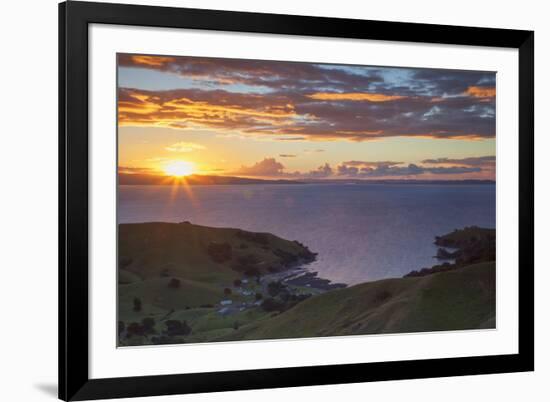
(226, 302)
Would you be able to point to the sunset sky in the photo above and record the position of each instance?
(276, 119)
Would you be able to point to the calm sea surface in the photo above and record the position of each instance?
(361, 232)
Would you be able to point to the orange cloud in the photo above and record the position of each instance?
(287, 116)
(481, 92)
(355, 96)
(140, 108)
(152, 61)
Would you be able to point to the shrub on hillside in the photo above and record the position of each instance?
(134, 329)
(137, 304)
(121, 327)
(274, 288)
(176, 327)
(270, 304)
(148, 324)
(174, 283)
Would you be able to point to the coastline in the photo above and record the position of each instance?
(180, 282)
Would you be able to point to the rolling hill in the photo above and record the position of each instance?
(453, 300)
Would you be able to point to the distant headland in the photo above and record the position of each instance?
(125, 179)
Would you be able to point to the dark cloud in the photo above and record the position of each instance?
(474, 161)
(268, 167)
(440, 82)
(371, 164)
(263, 73)
(299, 101)
(287, 156)
(346, 170)
(291, 139)
(385, 170)
(321, 172)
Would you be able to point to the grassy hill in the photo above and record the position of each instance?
(199, 253)
(181, 271)
(180, 282)
(460, 299)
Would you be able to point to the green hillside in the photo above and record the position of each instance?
(184, 283)
(180, 272)
(454, 300)
(205, 254)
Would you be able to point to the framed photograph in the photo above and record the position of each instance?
(256, 201)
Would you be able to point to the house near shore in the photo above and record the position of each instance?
(226, 302)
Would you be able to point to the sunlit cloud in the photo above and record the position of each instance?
(268, 167)
(151, 61)
(306, 101)
(481, 92)
(185, 147)
(135, 170)
(355, 96)
(293, 117)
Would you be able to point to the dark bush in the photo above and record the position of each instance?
(134, 328)
(260, 238)
(121, 327)
(286, 258)
(237, 283)
(175, 327)
(284, 295)
(137, 304)
(270, 304)
(227, 291)
(252, 272)
(220, 252)
(382, 296)
(174, 283)
(248, 260)
(274, 288)
(148, 324)
(258, 296)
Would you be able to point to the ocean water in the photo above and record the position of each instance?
(362, 232)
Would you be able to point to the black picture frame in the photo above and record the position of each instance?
(74, 19)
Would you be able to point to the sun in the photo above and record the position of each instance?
(179, 168)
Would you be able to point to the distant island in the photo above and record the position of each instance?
(185, 283)
(196, 179)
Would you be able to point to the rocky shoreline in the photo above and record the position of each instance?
(459, 248)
